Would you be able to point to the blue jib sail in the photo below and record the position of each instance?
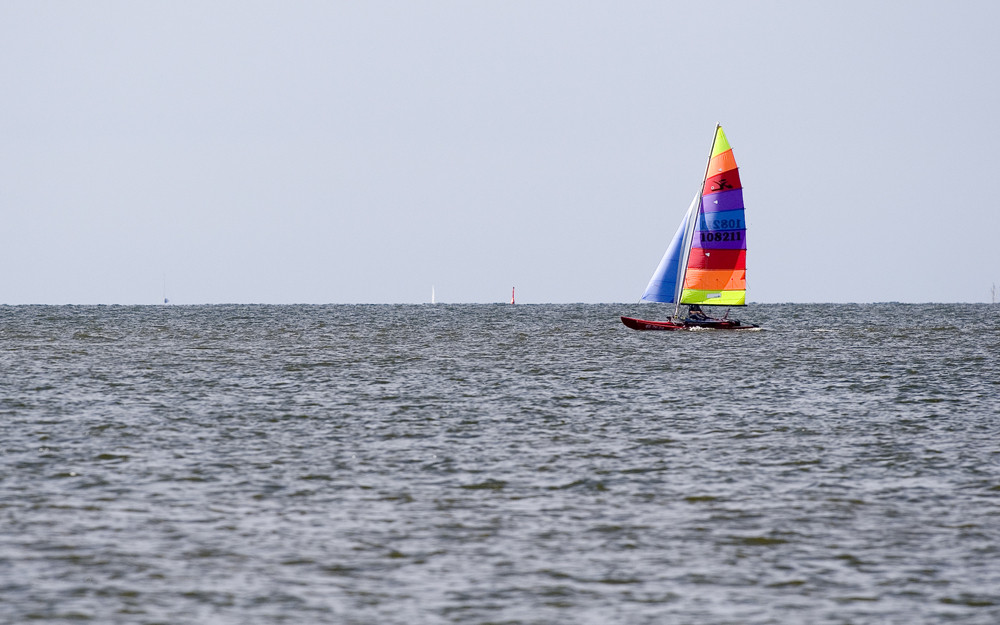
(663, 285)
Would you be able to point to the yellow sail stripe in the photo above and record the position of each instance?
(716, 298)
(721, 143)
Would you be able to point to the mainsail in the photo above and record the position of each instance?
(705, 262)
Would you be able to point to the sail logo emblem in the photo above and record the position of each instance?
(722, 184)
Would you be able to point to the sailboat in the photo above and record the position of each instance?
(705, 263)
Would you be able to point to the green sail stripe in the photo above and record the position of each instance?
(716, 298)
(721, 143)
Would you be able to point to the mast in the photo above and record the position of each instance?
(686, 239)
(689, 228)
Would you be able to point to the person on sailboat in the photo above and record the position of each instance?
(694, 312)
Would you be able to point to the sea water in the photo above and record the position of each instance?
(483, 464)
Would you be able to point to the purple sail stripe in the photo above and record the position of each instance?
(720, 245)
(725, 201)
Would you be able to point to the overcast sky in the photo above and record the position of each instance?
(361, 152)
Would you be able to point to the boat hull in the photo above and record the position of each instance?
(686, 324)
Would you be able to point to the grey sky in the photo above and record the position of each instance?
(342, 152)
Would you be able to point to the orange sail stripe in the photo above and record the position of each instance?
(716, 279)
(717, 259)
(722, 163)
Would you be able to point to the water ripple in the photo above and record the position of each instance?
(497, 464)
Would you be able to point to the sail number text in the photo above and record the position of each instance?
(723, 224)
(721, 236)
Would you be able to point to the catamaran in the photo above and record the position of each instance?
(705, 263)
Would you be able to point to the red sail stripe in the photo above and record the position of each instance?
(726, 181)
(717, 259)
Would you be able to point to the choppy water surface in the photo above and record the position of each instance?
(498, 464)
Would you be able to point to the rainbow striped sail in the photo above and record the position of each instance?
(705, 262)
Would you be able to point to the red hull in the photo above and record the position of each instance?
(713, 324)
(642, 324)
